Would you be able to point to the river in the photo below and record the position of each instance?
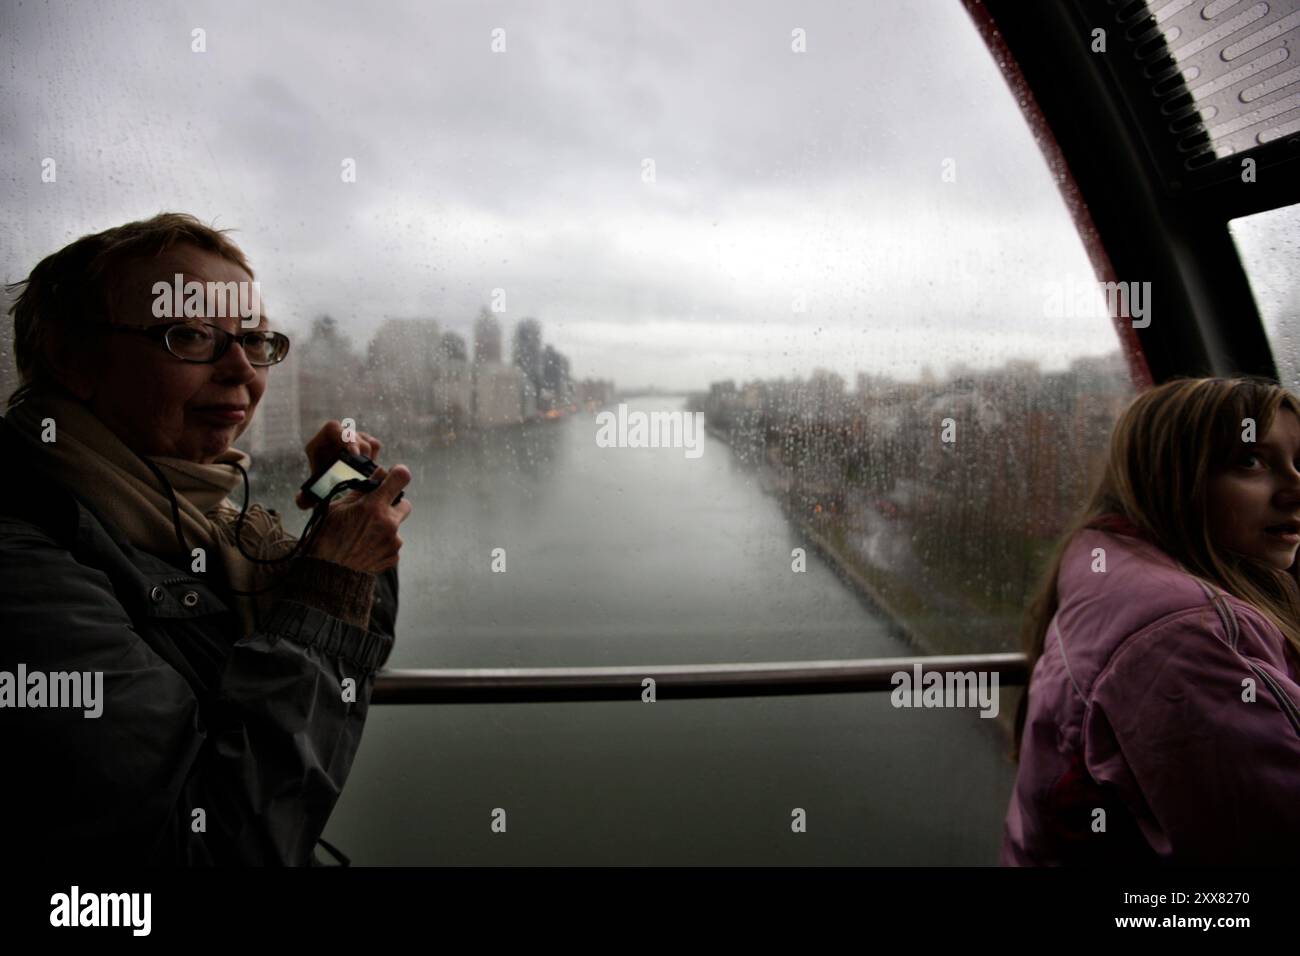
(642, 556)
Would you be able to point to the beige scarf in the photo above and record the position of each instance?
(90, 460)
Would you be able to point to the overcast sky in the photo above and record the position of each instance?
(777, 173)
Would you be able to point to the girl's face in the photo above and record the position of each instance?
(1255, 501)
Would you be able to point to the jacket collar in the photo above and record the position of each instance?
(1117, 524)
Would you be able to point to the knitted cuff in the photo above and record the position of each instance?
(336, 590)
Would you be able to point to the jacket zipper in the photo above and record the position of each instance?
(178, 580)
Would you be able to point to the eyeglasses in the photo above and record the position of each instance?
(205, 343)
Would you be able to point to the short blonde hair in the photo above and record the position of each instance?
(76, 284)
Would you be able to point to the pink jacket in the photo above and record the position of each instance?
(1136, 708)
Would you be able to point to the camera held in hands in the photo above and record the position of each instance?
(351, 471)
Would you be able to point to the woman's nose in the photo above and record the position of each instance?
(235, 364)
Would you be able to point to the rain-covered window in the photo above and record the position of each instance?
(485, 230)
(1267, 245)
(711, 332)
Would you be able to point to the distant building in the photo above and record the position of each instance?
(453, 385)
(498, 391)
(594, 393)
(276, 427)
(487, 339)
(453, 347)
(529, 409)
(528, 352)
(332, 383)
(404, 358)
(555, 376)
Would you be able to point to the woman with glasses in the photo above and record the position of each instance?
(222, 669)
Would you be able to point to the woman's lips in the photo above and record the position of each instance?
(225, 414)
(1290, 537)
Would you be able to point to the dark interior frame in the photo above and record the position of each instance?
(1156, 221)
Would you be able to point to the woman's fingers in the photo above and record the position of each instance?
(391, 486)
(315, 447)
(361, 532)
(324, 448)
(370, 445)
(329, 441)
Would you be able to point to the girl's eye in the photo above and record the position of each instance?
(1249, 460)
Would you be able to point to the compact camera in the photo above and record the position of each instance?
(355, 470)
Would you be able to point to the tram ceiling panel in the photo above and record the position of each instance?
(1207, 85)
(1110, 80)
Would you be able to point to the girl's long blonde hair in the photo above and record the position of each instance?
(1163, 451)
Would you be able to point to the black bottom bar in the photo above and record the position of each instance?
(434, 907)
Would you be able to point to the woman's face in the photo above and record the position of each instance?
(1255, 501)
(156, 403)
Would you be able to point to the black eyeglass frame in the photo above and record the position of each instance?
(224, 338)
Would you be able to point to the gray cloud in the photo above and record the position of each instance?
(778, 174)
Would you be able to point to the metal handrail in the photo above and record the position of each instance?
(509, 685)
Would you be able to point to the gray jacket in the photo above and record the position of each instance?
(208, 749)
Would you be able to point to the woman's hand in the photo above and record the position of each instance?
(323, 451)
(360, 531)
